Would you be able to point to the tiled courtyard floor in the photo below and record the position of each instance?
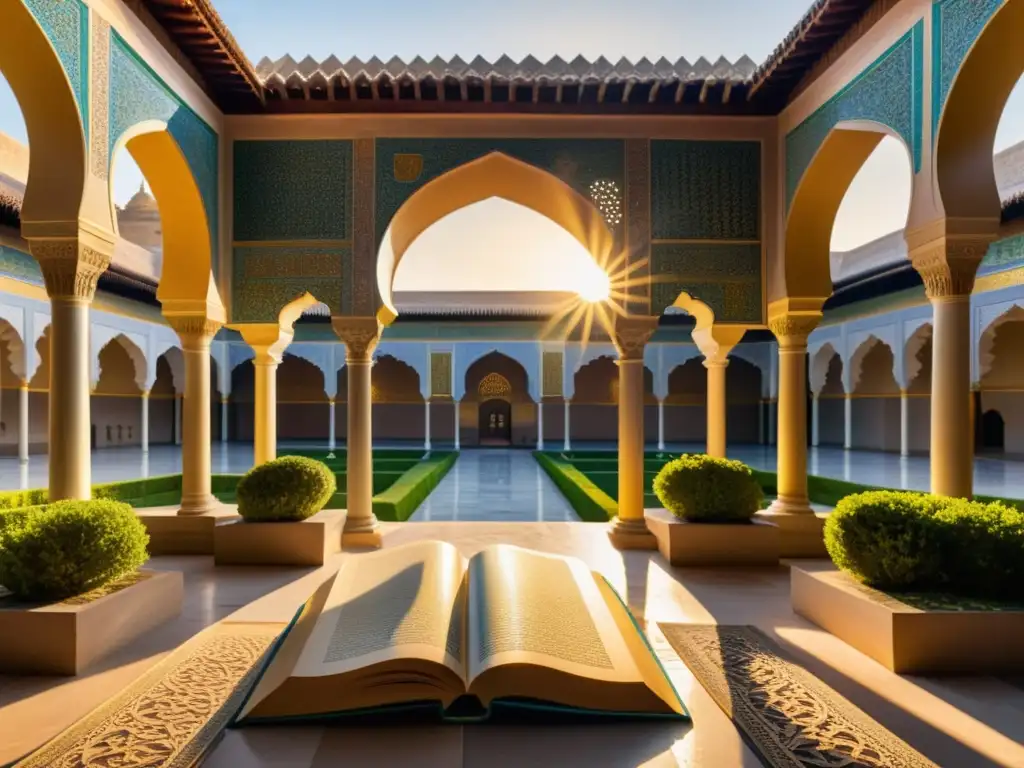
(957, 722)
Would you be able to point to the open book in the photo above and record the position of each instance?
(419, 625)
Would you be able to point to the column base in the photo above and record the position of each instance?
(198, 505)
(631, 534)
(364, 533)
(800, 529)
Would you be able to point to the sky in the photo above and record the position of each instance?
(876, 204)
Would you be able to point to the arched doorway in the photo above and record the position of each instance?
(993, 432)
(496, 422)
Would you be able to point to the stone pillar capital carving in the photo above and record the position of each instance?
(631, 334)
(948, 264)
(360, 335)
(70, 268)
(195, 331)
(792, 328)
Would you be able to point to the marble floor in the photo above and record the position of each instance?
(992, 476)
(495, 484)
(958, 722)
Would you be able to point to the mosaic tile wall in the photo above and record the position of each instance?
(706, 226)
(20, 266)
(292, 226)
(578, 162)
(956, 24)
(890, 92)
(66, 24)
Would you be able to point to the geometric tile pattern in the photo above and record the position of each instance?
(292, 190)
(705, 190)
(725, 276)
(889, 92)
(266, 278)
(956, 24)
(19, 266)
(1003, 254)
(66, 24)
(405, 165)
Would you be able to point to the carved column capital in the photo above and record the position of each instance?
(360, 335)
(195, 331)
(631, 334)
(70, 268)
(948, 265)
(792, 329)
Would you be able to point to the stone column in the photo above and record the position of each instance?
(947, 266)
(815, 419)
(23, 423)
(716, 438)
(458, 424)
(225, 402)
(661, 424)
(70, 270)
(791, 511)
(847, 421)
(145, 422)
(567, 440)
(629, 530)
(332, 430)
(360, 335)
(426, 424)
(904, 423)
(540, 424)
(196, 333)
(265, 421)
(177, 418)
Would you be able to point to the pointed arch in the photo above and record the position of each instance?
(966, 129)
(494, 175)
(997, 337)
(872, 368)
(511, 369)
(816, 202)
(57, 169)
(14, 345)
(135, 354)
(821, 365)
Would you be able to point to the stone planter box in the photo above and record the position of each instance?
(308, 542)
(905, 639)
(174, 534)
(705, 544)
(65, 638)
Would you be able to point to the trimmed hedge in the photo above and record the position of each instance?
(10, 519)
(591, 503)
(290, 488)
(906, 541)
(705, 489)
(404, 496)
(71, 547)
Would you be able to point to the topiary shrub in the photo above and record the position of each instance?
(290, 488)
(703, 489)
(12, 519)
(71, 548)
(905, 541)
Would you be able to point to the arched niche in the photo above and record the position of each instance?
(395, 381)
(497, 363)
(494, 175)
(872, 369)
(122, 368)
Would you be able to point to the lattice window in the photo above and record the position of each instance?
(494, 385)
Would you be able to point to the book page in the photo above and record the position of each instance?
(531, 608)
(400, 603)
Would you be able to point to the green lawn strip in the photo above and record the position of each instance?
(404, 496)
(591, 503)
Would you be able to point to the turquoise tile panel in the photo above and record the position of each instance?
(138, 94)
(19, 266)
(889, 92)
(956, 24)
(578, 162)
(1003, 255)
(726, 277)
(293, 190)
(705, 190)
(66, 24)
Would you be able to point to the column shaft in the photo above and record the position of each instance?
(332, 433)
(70, 385)
(426, 424)
(540, 424)
(567, 428)
(815, 420)
(458, 424)
(265, 435)
(196, 464)
(904, 423)
(716, 406)
(23, 422)
(225, 403)
(144, 438)
(847, 422)
(792, 426)
(951, 439)
(661, 424)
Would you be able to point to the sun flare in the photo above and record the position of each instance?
(594, 285)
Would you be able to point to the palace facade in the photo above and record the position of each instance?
(289, 192)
